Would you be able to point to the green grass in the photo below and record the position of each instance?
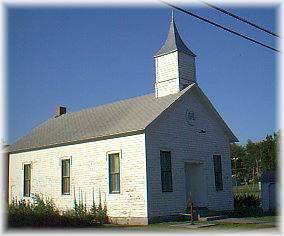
(252, 189)
(271, 219)
(168, 226)
(221, 226)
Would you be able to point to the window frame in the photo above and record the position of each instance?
(218, 172)
(27, 180)
(65, 177)
(110, 174)
(163, 184)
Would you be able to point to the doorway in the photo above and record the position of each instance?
(195, 185)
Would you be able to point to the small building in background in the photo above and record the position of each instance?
(269, 191)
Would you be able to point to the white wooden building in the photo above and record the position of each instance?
(146, 155)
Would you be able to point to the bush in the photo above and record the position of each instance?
(43, 213)
(246, 205)
(247, 200)
(20, 213)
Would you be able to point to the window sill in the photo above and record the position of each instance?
(114, 193)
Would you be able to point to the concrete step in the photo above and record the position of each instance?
(220, 217)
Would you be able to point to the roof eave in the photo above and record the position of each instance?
(229, 132)
(172, 51)
(115, 135)
(181, 94)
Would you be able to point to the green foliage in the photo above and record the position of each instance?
(43, 213)
(40, 214)
(237, 152)
(101, 212)
(251, 189)
(94, 210)
(268, 152)
(19, 213)
(251, 159)
(246, 205)
(246, 201)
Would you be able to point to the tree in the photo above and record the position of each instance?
(237, 155)
(268, 152)
(251, 159)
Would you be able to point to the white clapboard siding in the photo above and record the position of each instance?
(174, 71)
(89, 170)
(171, 132)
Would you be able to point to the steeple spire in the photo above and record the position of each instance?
(173, 42)
(175, 64)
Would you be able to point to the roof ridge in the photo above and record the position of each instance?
(118, 117)
(118, 101)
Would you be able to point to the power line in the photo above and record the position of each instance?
(240, 18)
(220, 26)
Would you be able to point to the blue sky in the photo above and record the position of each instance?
(83, 57)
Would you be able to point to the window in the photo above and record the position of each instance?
(218, 172)
(65, 176)
(27, 180)
(166, 171)
(114, 173)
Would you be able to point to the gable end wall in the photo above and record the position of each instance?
(171, 132)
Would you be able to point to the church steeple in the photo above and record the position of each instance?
(173, 42)
(175, 64)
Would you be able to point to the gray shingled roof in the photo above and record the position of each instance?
(111, 119)
(174, 42)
